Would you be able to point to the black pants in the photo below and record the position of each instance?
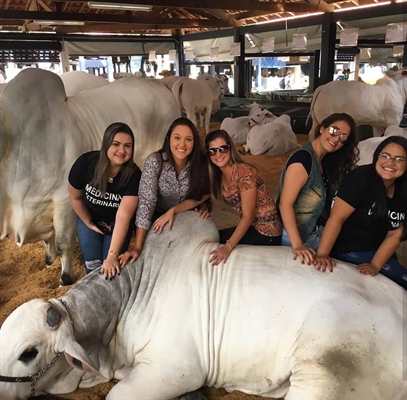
(250, 237)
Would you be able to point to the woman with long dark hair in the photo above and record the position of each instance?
(308, 180)
(174, 180)
(368, 217)
(242, 187)
(103, 189)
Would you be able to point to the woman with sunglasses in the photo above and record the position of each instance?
(307, 181)
(368, 217)
(241, 186)
(174, 179)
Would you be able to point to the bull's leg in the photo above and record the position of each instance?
(208, 112)
(51, 250)
(65, 231)
(153, 382)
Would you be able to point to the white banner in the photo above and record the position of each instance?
(267, 45)
(235, 50)
(398, 51)
(299, 41)
(349, 37)
(151, 55)
(189, 54)
(214, 52)
(172, 55)
(396, 32)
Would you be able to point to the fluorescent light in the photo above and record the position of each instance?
(386, 3)
(70, 23)
(119, 6)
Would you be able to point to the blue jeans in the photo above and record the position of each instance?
(312, 242)
(95, 246)
(392, 269)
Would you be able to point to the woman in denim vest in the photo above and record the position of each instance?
(307, 182)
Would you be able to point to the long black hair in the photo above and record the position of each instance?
(378, 189)
(339, 163)
(215, 173)
(198, 166)
(102, 169)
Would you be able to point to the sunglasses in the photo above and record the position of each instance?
(334, 131)
(397, 159)
(222, 149)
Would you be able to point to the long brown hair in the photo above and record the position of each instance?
(198, 167)
(215, 173)
(339, 163)
(102, 168)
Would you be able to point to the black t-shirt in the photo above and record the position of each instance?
(102, 208)
(363, 231)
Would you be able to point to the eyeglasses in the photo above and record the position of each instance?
(222, 149)
(397, 159)
(334, 131)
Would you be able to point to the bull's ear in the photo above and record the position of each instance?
(53, 317)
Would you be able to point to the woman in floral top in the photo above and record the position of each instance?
(241, 186)
(174, 179)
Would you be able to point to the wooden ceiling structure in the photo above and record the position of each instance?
(167, 17)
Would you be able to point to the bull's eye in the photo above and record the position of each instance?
(28, 355)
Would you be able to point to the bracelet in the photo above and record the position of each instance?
(230, 245)
(113, 253)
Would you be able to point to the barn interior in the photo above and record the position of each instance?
(253, 42)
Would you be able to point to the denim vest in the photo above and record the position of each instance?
(310, 202)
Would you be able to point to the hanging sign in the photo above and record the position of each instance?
(267, 45)
(151, 55)
(299, 41)
(398, 51)
(189, 54)
(214, 52)
(172, 55)
(235, 50)
(396, 32)
(349, 37)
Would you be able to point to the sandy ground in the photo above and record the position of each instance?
(24, 275)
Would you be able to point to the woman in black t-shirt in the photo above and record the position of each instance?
(368, 218)
(103, 189)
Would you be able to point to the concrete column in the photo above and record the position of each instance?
(327, 49)
(238, 75)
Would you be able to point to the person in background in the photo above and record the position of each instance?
(308, 180)
(287, 80)
(103, 190)
(242, 187)
(368, 217)
(174, 179)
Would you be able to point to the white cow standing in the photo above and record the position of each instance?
(196, 97)
(170, 323)
(273, 139)
(380, 105)
(76, 82)
(42, 132)
(368, 146)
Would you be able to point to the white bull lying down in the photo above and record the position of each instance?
(380, 105)
(238, 128)
(42, 132)
(273, 139)
(171, 323)
(368, 146)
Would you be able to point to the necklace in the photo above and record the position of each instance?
(110, 179)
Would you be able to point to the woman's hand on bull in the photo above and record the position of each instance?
(368, 269)
(129, 256)
(203, 211)
(220, 254)
(305, 254)
(323, 262)
(111, 267)
(167, 218)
